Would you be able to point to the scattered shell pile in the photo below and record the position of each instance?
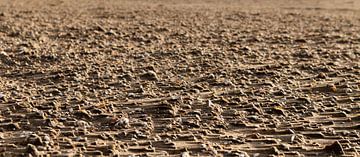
(154, 80)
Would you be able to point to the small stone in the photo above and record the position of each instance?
(280, 93)
(322, 75)
(284, 146)
(34, 139)
(185, 154)
(275, 151)
(32, 150)
(332, 87)
(300, 40)
(305, 100)
(3, 54)
(246, 48)
(335, 148)
(237, 153)
(82, 123)
(150, 75)
(5, 58)
(82, 114)
(278, 110)
(2, 97)
(110, 32)
(254, 118)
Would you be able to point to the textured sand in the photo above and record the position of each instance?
(179, 78)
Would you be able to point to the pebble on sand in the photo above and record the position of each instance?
(335, 148)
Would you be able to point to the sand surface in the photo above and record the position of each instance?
(180, 78)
